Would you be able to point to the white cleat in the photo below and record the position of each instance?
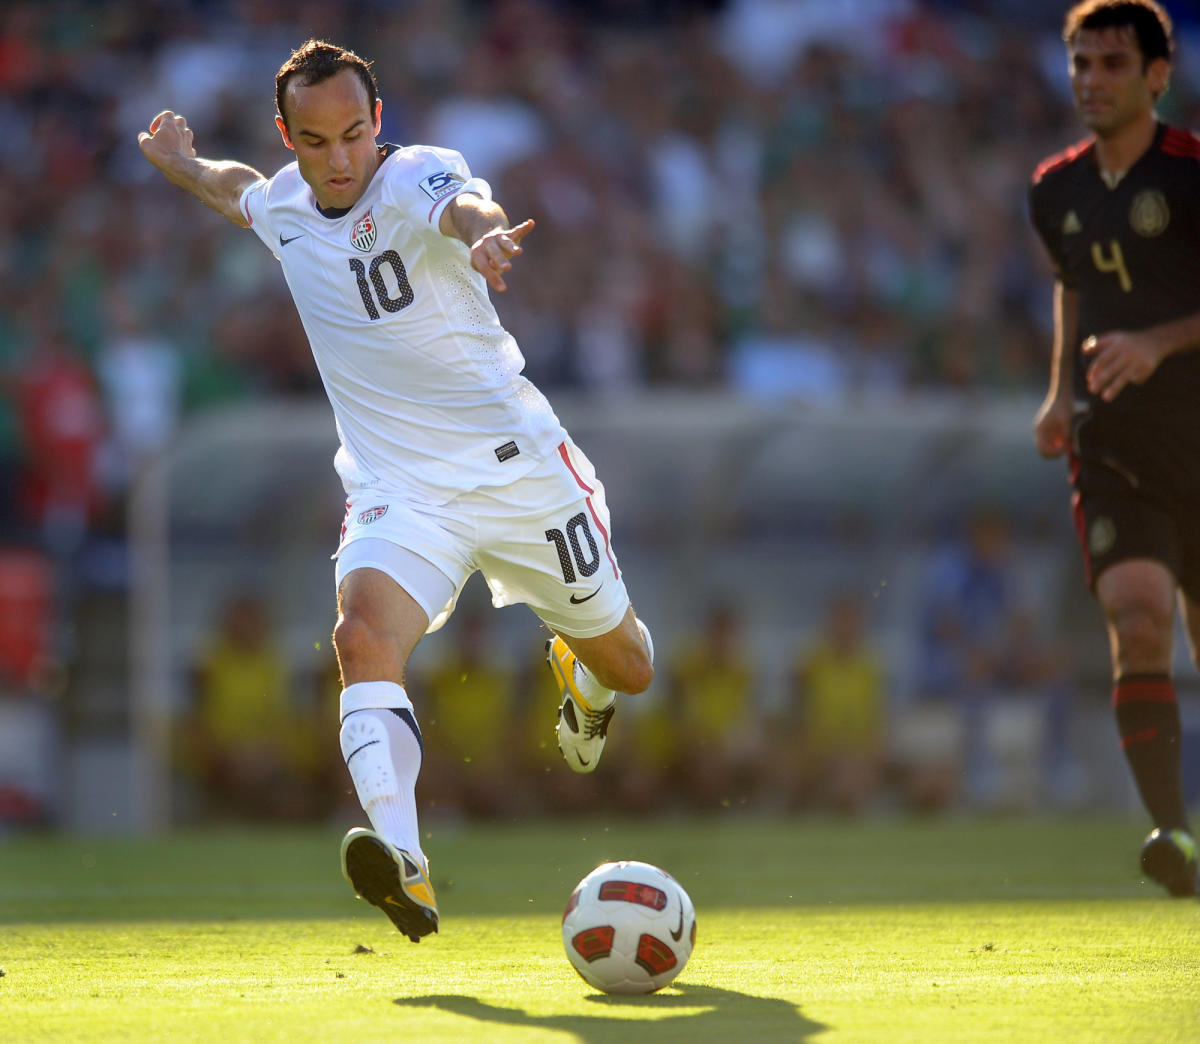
(582, 728)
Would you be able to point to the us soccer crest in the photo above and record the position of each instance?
(365, 518)
(363, 234)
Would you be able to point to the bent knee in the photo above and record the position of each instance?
(1143, 632)
(352, 636)
(364, 651)
(637, 674)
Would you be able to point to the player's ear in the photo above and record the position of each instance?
(1158, 76)
(378, 115)
(287, 140)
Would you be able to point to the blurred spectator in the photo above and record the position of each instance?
(26, 621)
(967, 599)
(651, 777)
(248, 745)
(990, 692)
(62, 427)
(480, 117)
(29, 675)
(829, 746)
(471, 731)
(713, 709)
(142, 381)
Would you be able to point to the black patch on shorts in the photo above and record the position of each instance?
(507, 451)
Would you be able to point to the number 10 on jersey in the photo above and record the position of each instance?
(372, 288)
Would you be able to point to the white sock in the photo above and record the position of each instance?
(646, 637)
(383, 753)
(591, 690)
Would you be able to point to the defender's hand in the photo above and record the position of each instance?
(168, 140)
(1119, 359)
(1052, 426)
(490, 253)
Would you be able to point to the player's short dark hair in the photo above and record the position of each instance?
(1148, 19)
(316, 61)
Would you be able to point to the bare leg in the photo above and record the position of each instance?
(619, 660)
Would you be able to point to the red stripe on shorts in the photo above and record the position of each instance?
(1080, 521)
(562, 452)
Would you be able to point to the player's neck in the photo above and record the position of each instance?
(1117, 152)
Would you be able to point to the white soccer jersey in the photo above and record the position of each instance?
(425, 383)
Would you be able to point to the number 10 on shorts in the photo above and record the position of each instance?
(569, 542)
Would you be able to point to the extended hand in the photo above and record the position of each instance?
(1119, 359)
(490, 253)
(169, 139)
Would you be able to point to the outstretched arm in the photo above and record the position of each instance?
(483, 226)
(216, 183)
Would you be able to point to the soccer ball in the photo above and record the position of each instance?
(629, 927)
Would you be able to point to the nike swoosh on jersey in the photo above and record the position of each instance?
(580, 601)
(290, 239)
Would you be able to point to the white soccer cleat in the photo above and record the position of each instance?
(582, 728)
(392, 879)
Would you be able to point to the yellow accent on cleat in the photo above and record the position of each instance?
(582, 728)
(562, 665)
(391, 879)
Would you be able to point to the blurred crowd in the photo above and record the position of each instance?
(783, 198)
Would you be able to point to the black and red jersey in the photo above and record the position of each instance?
(1132, 252)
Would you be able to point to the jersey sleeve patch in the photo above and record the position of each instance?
(439, 185)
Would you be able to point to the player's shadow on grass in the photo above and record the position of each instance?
(725, 1015)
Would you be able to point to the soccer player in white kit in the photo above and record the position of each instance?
(451, 460)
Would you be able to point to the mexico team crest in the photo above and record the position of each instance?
(362, 235)
(1149, 214)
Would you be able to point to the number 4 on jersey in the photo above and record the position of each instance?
(1114, 262)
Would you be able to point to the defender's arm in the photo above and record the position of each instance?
(1052, 426)
(1123, 357)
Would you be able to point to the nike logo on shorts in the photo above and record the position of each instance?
(579, 601)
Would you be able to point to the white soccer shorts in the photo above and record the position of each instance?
(542, 540)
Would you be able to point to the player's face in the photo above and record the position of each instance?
(332, 130)
(1112, 89)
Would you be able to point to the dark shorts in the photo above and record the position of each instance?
(1137, 493)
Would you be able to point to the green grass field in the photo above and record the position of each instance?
(808, 930)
